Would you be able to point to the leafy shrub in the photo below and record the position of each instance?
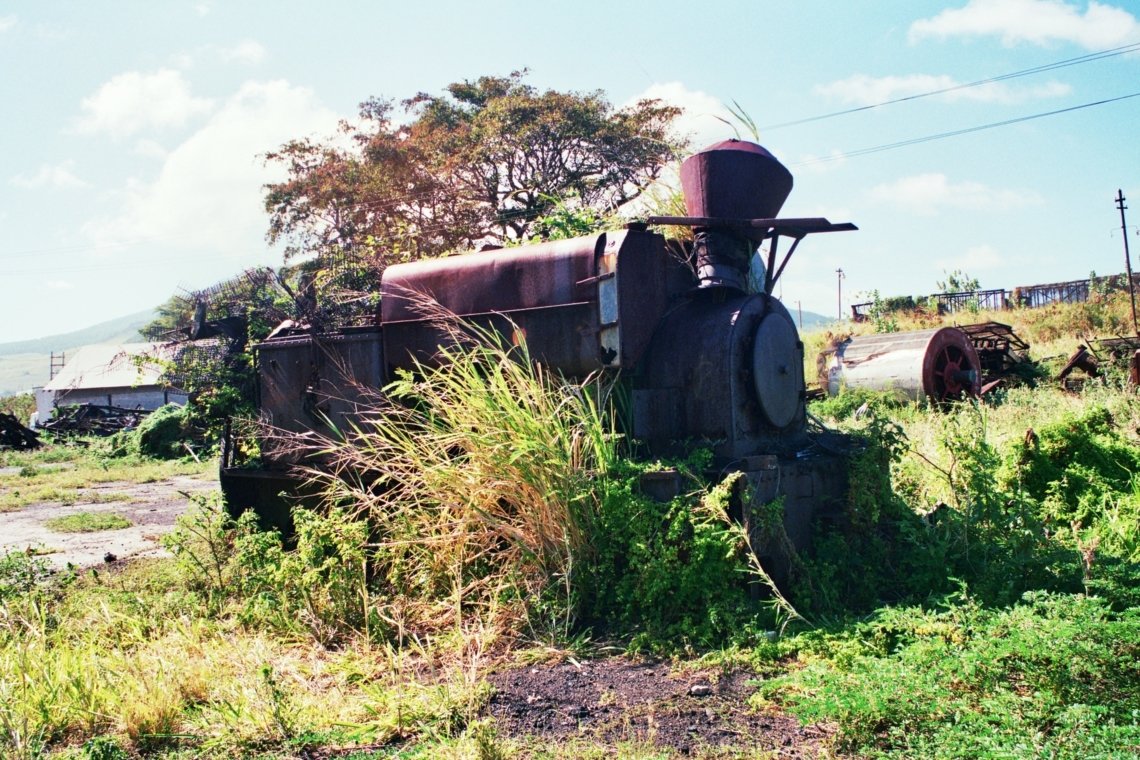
(162, 434)
(319, 587)
(1055, 675)
(21, 572)
(882, 550)
(669, 572)
(985, 532)
(1074, 467)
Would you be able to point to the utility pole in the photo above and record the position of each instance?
(839, 300)
(1127, 258)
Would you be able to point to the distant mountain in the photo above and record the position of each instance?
(25, 364)
(121, 330)
(810, 320)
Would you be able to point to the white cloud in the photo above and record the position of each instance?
(246, 51)
(202, 9)
(926, 194)
(207, 198)
(861, 90)
(701, 117)
(978, 258)
(150, 149)
(60, 285)
(7, 22)
(182, 61)
(134, 101)
(1039, 22)
(60, 176)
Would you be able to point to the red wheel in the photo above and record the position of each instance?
(953, 375)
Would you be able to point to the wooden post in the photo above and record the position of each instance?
(1127, 258)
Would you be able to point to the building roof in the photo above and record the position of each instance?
(126, 365)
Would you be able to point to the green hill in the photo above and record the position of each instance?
(25, 364)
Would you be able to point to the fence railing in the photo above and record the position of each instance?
(1025, 296)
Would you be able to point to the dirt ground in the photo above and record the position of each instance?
(151, 508)
(616, 699)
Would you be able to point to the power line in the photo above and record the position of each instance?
(957, 132)
(1087, 58)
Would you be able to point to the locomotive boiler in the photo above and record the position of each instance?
(709, 355)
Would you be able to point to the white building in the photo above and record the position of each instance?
(129, 376)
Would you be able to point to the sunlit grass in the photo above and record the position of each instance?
(87, 522)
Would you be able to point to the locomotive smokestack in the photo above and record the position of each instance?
(731, 180)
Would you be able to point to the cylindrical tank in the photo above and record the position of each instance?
(939, 364)
(584, 304)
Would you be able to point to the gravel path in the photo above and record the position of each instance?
(151, 508)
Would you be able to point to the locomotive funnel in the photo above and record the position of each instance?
(731, 180)
(734, 179)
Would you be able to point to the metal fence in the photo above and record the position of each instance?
(1025, 296)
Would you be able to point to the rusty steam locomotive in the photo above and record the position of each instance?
(707, 357)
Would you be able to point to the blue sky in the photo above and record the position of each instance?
(129, 157)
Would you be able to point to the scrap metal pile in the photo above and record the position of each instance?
(13, 435)
(1091, 358)
(92, 419)
(1002, 355)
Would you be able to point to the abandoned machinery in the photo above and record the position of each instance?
(705, 357)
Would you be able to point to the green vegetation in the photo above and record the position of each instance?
(1054, 675)
(496, 497)
(20, 406)
(980, 600)
(87, 522)
(489, 159)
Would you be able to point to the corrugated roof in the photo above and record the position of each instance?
(127, 365)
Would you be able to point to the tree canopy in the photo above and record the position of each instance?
(482, 163)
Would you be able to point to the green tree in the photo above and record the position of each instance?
(957, 282)
(482, 163)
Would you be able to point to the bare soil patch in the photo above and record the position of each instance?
(151, 507)
(616, 699)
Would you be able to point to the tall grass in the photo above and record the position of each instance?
(476, 477)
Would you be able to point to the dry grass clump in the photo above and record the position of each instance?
(475, 480)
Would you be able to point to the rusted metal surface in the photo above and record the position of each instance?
(316, 385)
(583, 305)
(939, 364)
(719, 370)
(1001, 352)
(1121, 351)
(1082, 359)
(734, 179)
(731, 180)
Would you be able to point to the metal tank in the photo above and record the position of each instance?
(583, 305)
(938, 364)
